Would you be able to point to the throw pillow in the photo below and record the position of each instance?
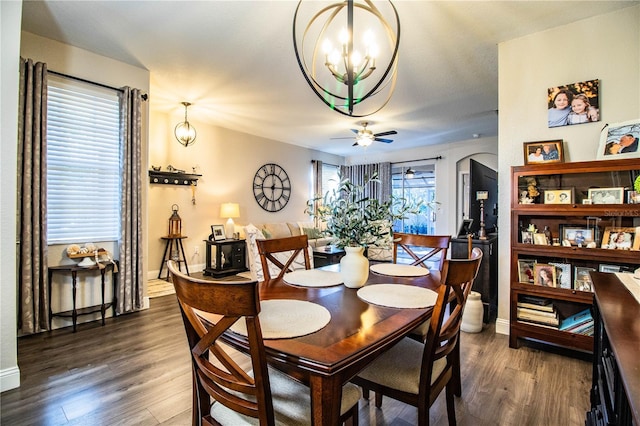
(312, 233)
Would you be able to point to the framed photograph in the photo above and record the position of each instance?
(465, 228)
(540, 239)
(575, 103)
(576, 235)
(619, 140)
(621, 238)
(543, 152)
(582, 280)
(606, 195)
(527, 237)
(218, 232)
(525, 270)
(563, 274)
(558, 196)
(608, 268)
(544, 275)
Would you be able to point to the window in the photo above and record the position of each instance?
(422, 186)
(330, 178)
(83, 162)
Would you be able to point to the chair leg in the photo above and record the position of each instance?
(352, 420)
(365, 393)
(451, 410)
(456, 378)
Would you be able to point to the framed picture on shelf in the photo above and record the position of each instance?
(525, 270)
(218, 232)
(544, 275)
(582, 280)
(608, 268)
(573, 235)
(619, 140)
(527, 237)
(606, 195)
(543, 152)
(563, 274)
(540, 239)
(558, 196)
(621, 238)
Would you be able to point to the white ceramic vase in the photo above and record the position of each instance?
(473, 313)
(354, 267)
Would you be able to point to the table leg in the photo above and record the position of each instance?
(102, 307)
(326, 396)
(50, 277)
(164, 258)
(186, 267)
(114, 279)
(74, 312)
(171, 242)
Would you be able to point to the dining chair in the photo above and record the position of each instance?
(244, 390)
(414, 372)
(282, 253)
(436, 244)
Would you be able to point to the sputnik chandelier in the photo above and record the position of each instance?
(185, 133)
(363, 64)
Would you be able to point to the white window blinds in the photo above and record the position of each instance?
(330, 178)
(83, 162)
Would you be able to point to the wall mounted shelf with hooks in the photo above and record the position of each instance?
(173, 178)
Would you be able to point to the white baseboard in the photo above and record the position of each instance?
(502, 326)
(9, 379)
(153, 275)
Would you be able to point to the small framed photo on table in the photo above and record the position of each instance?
(558, 196)
(621, 238)
(606, 195)
(543, 152)
(217, 231)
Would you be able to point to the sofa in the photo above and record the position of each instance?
(254, 232)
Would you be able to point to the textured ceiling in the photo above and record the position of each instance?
(234, 60)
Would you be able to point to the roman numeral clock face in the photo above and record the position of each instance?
(271, 187)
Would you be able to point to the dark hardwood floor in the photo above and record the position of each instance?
(136, 371)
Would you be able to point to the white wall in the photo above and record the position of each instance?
(606, 47)
(10, 16)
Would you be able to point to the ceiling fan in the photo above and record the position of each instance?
(365, 137)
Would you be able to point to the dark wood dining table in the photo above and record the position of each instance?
(357, 333)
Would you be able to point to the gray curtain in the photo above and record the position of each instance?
(359, 172)
(130, 285)
(33, 295)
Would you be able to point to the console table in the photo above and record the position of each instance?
(228, 257)
(615, 391)
(75, 312)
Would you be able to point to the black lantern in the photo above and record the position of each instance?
(175, 223)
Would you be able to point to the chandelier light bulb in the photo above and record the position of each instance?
(344, 37)
(327, 48)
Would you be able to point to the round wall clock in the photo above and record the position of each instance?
(271, 187)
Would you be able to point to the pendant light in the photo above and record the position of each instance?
(185, 132)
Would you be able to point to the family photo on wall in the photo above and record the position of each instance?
(619, 140)
(575, 103)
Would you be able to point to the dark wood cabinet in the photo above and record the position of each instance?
(486, 283)
(570, 257)
(225, 257)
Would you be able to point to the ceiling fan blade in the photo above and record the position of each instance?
(383, 140)
(355, 131)
(355, 144)
(390, 132)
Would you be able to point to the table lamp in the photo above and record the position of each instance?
(481, 196)
(229, 210)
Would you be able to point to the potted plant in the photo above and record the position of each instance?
(356, 221)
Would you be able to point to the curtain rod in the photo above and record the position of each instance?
(144, 95)
(439, 157)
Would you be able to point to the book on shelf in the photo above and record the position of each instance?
(545, 307)
(541, 319)
(532, 311)
(535, 300)
(575, 320)
(537, 324)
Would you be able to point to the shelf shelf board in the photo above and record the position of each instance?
(173, 178)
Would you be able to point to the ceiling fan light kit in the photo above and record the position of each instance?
(346, 76)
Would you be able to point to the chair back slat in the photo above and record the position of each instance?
(295, 245)
(209, 309)
(438, 244)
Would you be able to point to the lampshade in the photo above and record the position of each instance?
(409, 174)
(348, 52)
(185, 133)
(230, 210)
